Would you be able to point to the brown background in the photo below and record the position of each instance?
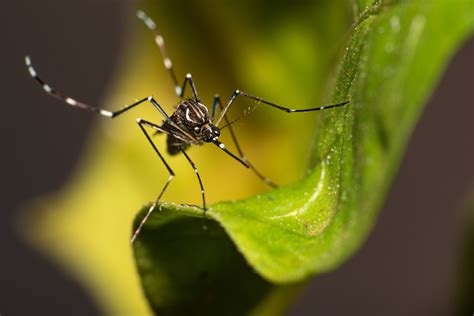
(408, 265)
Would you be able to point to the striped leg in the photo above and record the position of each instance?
(282, 108)
(49, 90)
(166, 59)
(142, 124)
(217, 102)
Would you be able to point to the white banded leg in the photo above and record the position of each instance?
(166, 59)
(73, 102)
(49, 90)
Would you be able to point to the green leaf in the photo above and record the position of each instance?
(393, 57)
(200, 267)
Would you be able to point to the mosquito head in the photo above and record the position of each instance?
(210, 132)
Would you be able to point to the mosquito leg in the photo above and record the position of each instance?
(282, 108)
(191, 83)
(72, 102)
(47, 88)
(142, 124)
(217, 102)
(199, 178)
(110, 114)
(161, 44)
(166, 59)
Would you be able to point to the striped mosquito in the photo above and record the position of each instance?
(190, 124)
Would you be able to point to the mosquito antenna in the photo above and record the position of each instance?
(231, 122)
(247, 112)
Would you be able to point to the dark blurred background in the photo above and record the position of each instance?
(408, 266)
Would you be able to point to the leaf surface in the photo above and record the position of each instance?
(391, 61)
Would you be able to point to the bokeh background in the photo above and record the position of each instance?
(409, 265)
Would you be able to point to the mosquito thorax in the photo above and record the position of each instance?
(192, 113)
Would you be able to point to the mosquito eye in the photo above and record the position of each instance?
(207, 135)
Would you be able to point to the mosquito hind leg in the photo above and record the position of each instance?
(161, 45)
(191, 83)
(179, 89)
(74, 103)
(58, 95)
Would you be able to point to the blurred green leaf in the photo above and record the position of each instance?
(393, 57)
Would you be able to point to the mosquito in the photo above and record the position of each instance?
(190, 123)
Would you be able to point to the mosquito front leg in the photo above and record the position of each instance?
(282, 108)
(217, 102)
